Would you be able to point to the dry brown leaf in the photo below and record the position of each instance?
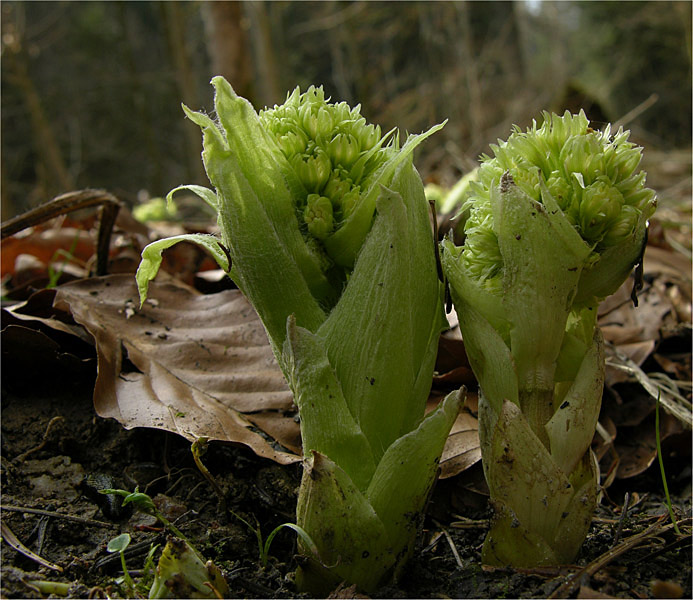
(45, 246)
(36, 312)
(622, 323)
(636, 331)
(637, 448)
(462, 449)
(202, 364)
(660, 261)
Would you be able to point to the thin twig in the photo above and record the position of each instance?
(464, 523)
(637, 111)
(44, 440)
(9, 537)
(451, 543)
(198, 448)
(67, 203)
(624, 512)
(624, 363)
(573, 581)
(50, 513)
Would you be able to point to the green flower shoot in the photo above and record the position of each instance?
(325, 228)
(556, 222)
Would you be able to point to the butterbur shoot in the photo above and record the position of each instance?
(325, 229)
(556, 222)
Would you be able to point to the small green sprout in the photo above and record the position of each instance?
(264, 545)
(119, 544)
(67, 256)
(155, 209)
(145, 504)
(47, 588)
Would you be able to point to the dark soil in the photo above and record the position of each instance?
(51, 477)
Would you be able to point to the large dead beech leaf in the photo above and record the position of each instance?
(202, 364)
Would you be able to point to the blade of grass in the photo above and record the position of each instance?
(661, 467)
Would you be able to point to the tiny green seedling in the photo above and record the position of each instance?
(46, 587)
(183, 572)
(119, 544)
(145, 504)
(180, 558)
(264, 546)
(198, 449)
(69, 255)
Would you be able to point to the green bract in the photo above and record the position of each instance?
(181, 573)
(325, 228)
(556, 222)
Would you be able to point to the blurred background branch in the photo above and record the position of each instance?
(91, 91)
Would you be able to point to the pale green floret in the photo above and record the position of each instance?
(561, 190)
(581, 157)
(338, 185)
(623, 228)
(343, 149)
(318, 216)
(293, 142)
(482, 257)
(347, 203)
(369, 136)
(313, 169)
(527, 179)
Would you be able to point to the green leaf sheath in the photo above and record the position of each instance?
(528, 486)
(613, 268)
(366, 538)
(273, 180)
(352, 540)
(488, 353)
(537, 287)
(263, 265)
(361, 384)
(327, 426)
(385, 326)
(403, 479)
(571, 428)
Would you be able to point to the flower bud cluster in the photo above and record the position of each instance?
(591, 175)
(332, 150)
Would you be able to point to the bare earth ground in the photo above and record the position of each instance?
(46, 472)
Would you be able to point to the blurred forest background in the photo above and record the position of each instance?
(91, 91)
